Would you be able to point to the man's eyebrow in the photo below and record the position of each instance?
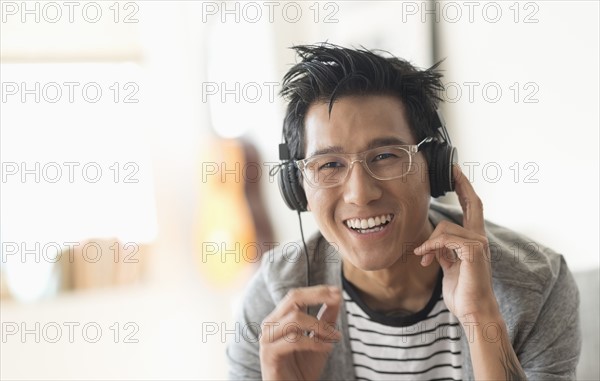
(385, 141)
(379, 142)
(326, 150)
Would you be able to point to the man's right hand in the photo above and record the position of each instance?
(295, 345)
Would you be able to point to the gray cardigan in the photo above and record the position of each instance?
(536, 292)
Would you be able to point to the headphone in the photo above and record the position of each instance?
(440, 154)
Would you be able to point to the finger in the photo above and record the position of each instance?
(443, 227)
(444, 233)
(469, 201)
(466, 249)
(304, 324)
(297, 323)
(445, 257)
(300, 298)
(329, 311)
(427, 259)
(300, 344)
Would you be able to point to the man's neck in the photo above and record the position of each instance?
(402, 289)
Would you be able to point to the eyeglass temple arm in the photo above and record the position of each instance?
(424, 141)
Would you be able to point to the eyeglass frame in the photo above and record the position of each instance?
(412, 150)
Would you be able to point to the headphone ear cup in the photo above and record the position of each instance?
(290, 188)
(442, 157)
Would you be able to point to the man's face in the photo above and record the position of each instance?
(355, 124)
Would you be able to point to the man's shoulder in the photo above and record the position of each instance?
(521, 261)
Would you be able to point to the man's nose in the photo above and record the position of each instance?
(360, 188)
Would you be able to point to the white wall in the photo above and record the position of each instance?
(557, 58)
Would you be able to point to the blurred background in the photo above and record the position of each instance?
(137, 138)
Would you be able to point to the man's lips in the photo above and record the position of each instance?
(369, 223)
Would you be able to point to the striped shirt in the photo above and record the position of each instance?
(421, 346)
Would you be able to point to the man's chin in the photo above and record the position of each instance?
(366, 261)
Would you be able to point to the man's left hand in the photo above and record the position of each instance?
(463, 253)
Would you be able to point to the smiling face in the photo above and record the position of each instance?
(399, 206)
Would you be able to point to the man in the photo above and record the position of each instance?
(400, 287)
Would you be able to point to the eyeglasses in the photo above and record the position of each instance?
(383, 163)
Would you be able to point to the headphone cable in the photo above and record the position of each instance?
(305, 251)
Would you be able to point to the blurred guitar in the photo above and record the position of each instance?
(233, 225)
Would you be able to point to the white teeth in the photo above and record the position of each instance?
(372, 230)
(370, 223)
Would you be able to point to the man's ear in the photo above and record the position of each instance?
(308, 206)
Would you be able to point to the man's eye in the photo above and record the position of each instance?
(386, 155)
(330, 165)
